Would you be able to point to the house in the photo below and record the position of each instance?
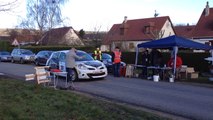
(131, 32)
(4, 36)
(21, 36)
(201, 32)
(93, 38)
(184, 31)
(61, 36)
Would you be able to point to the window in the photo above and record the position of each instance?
(62, 57)
(131, 46)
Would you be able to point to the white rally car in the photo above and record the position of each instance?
(86, 68)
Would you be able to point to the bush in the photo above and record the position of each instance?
(4, 45)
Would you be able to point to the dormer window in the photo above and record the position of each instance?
(147, 29)
(121, 31)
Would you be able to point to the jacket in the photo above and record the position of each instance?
(70, 59)
(117, 57)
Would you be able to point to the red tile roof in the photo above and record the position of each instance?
(184, 31)
(135, 30)
(204, 27)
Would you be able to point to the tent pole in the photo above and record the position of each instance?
(175, 50)
(136, 56)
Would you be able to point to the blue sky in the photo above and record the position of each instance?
(94, 14)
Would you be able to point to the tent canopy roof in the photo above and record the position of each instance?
(173, 41)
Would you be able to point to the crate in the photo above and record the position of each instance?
(191, 73)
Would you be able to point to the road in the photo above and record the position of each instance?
(185, 100)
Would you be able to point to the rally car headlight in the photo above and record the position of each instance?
(83, 67)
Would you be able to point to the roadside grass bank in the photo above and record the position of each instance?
(23, 100)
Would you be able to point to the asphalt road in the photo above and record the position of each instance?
(188, 101)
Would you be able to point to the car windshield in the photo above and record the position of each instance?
(48, 53)
(86, 57)
(27, 52)
(4, 53)
(106, 56)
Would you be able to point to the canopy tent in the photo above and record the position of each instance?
(174, 42)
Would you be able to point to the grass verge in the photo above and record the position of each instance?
(20, 100)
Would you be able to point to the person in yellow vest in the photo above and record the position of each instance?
(98, 54)
(116, 58)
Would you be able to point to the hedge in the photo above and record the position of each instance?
(4, 45)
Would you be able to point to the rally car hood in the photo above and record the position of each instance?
(91, 63)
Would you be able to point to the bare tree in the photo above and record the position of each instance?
(43, 15)
(6, 6)
(96, 35)
(13, 34)
(81, 33)
(157, 34)
(153, 32)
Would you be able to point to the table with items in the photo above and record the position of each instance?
(163, 72)
(56, 75)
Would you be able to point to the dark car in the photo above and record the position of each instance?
(42, 57)
(22, 55)
(5, 56)
(107, 60)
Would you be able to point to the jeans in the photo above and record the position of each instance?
(116, 69)
(70, 73)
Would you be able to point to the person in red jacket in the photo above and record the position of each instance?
(116, 58)
(179, 62)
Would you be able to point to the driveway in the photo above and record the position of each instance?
(188, 101)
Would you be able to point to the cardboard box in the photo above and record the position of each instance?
(193, 75)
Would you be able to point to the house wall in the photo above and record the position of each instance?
(168, 30)
(204, 41)
(208, 41)
(105, 48)
(71, 38)
(129, 46)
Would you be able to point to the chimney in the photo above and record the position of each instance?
(124, 26)
(125, 19)
(207, 9)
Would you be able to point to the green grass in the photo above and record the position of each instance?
(20, 100)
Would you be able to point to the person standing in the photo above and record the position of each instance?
(179, 62)
(145, 62)
(70, 64)
(98, 54)
(156, 58)
(145, 58)
(116, 58)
